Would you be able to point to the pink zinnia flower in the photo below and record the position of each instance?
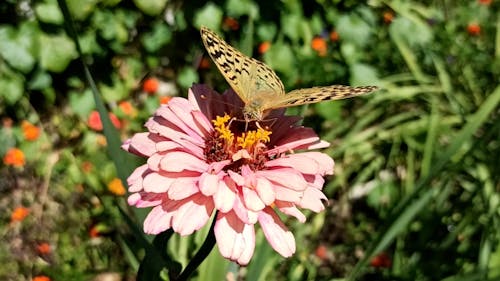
(202, 159)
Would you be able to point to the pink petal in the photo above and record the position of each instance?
(278, 236)
(290, 209)
(237, 178)
(179, 161)
(142, 144)
(202, 121)
(154, 125)
(145, 200)
(167, 145)
(252, 200)
(193, 214)
(312, 200)
(209, 184)
(225, 195)
(235, 240)
(158, 220)
(286, 177)
(135, 179)
(172, 117)
(246, 215)
(182, 188)
(265, 190)
(184, 112)
(157, 183)
(286, 194)
(307, 163)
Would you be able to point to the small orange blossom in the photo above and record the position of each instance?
(19, 214)
(30, 131)
(116, 187)
(14, 157)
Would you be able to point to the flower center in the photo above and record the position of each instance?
(242, 148)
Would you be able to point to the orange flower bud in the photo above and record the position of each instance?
(14, 157)
(116, 187)
(19, 214)
(41, 278)
(95, 123)
(150, 85)
(264, 47)
(30, 131)
(319, 45)
(474, 29)
(43, 248)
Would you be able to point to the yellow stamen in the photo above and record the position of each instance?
(247, 139)
(222, 128)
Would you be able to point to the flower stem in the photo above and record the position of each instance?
(202, 253)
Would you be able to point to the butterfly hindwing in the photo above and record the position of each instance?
(318, 94)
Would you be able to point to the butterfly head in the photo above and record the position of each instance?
(252, 111)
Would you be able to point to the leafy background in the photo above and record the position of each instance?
(416, 193)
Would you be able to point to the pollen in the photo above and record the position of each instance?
(241, 147)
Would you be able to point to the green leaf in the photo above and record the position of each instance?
(151, 7)
(280, 58)
(57, 51)
(80, 9)
(16, 46)
(157, 38)
(187, 76)
(363, 74)
(82, 103)
(40, 80)
(415, 33)
(238, 8)
(49, 12)
(210, 16)
(11, 88)
(352, 28)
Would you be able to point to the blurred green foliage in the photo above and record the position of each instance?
(417, 169)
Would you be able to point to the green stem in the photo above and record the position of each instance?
(201, 255)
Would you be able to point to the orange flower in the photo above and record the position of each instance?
(116, 187)
(388, 17)
(41, 278)
(30, 131)
(319, 45)
(19, 214)
(264, 47)
(231, 23)
(485, 2)
(381, 260)
(321, 252)
(95, 123)
(127, 108)
(165, 99)
(14, 157)
(474, 29)
(334, 36)
(150, 85)
(94, 231)
(43, 248)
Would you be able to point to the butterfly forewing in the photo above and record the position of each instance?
(247, 76)
(258, 85)
(318, 94)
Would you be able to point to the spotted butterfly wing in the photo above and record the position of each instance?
(318, 94)
(258, 85)
(247, 76)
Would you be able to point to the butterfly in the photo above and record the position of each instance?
(259, 87)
